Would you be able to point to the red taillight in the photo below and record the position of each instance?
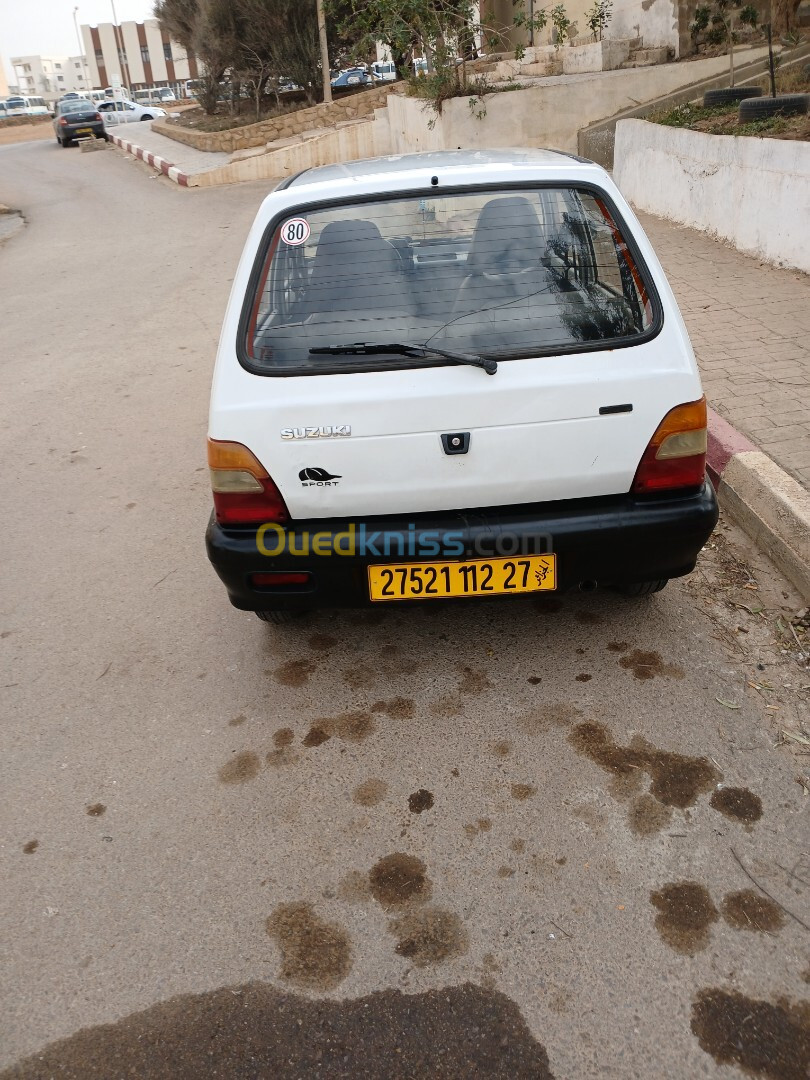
(98, 116)
(243, 492)
(676, 454)
(63, 121)
(275, 579)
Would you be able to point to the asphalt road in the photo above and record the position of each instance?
(501, 840)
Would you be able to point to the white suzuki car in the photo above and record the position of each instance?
(455, 374)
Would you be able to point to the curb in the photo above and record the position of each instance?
(157, 162)
(772, 507)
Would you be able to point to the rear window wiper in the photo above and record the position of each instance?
(363, 348)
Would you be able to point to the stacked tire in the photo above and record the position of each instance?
(781, 105)
(731, 95)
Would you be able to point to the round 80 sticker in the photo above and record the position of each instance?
(295, 231)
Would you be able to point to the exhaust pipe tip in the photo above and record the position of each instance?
(588, 586)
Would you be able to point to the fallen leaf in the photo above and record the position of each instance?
(728, 704)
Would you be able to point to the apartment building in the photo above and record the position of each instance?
(49, 76)
(140, 53)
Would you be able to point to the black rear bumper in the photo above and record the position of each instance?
(609, 541)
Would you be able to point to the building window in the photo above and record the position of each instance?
(77, 65)
(26, 67)
(58, 67)
(60, 78)
(99, 57)
(145, 54)
(122, 58)
(167, 51)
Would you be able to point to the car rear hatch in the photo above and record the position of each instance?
(546, 281)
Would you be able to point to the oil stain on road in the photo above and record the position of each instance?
(256, 1030)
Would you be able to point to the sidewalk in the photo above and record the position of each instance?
(750, 327)
(185, 158)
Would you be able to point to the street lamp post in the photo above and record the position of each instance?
(85, 69)
(118, 34)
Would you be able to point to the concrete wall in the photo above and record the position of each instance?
(346, 107)
(752, 192)
(549, 113)
(350, 142)
(656, 22)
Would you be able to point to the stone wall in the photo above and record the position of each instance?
(347, 107)
(752, 192)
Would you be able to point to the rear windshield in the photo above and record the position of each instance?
(504, 274)
(76, 106)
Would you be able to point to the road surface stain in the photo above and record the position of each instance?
(352, 727)
(242, 1032)
(589, 618)
(763, 1039)
(242, 767)
(429, 935)
(502, 749)
(483, 824)
(472, 681)
(544, 717)
(521, 792)
(584, 677)
(237, 720)
(617, 646)
(294, 672)
(95, 809)
(505, 872)
(420, 801)
(646, 665)
(398, 708)
(359, 677)
(685, 915)
(322, 642)
(749, 910)
(647, 816)
(518, 846)
(736, 803)
(315, 954)
(370, 792)
(398, 879)
(30, 847)
(283, 737)
(676, 780)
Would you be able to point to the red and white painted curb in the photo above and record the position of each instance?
(772, 507)
(157, 162)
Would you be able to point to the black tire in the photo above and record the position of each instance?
(147, 117)
(643, 588)
(731, 95)
(781, 105)
(277, 618)
(64, 143)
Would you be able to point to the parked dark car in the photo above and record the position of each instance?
(77, 117)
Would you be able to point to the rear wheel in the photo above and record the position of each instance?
(147, 117)
(277, 618)
(642, 588)
(64, 142)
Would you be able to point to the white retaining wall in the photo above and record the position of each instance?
(753, 192)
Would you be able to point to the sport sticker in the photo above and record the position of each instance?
(295, 231)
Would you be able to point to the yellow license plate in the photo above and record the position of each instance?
(477, 577)
(84, 131)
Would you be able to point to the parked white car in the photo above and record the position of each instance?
(456, 374)
(127, 112)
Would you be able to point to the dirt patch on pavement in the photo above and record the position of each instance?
(685, 915)
(677, 780)
(739, 804)
(398, 879)
(26, 133)
(256, 1030)
(429, 935)
(315, 955)
(764, 1040)
(242, 767)
(748, 910)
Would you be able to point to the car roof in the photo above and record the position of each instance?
(389, 167)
